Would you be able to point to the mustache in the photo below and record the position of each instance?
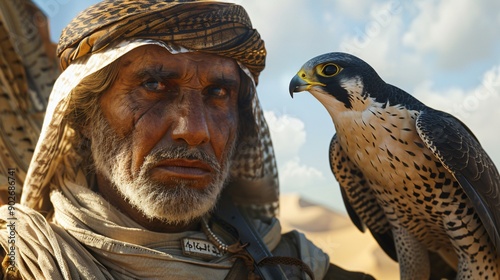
(181, 152)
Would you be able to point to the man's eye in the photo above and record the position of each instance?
(217, 91)
(154, 85)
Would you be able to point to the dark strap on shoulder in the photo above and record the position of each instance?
(254, 245)
(279, 260)
(238, 271)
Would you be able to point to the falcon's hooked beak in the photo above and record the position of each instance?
(301, 82)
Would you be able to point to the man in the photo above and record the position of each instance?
(153, 131)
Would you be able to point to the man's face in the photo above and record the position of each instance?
(167, 130)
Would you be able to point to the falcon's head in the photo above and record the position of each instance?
(340, 81)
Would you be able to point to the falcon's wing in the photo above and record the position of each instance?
(458, 149)
(360, 203)
(28, 70)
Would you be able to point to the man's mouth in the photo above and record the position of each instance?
(182, 169)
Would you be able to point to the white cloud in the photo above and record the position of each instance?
(457, 31)
(288, 135)
(356, 9)
(295, 175)
(477, 108)
(378, 42)
(371, 36)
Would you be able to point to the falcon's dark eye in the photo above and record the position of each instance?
(329, 70)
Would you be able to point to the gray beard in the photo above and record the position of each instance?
(181, 204)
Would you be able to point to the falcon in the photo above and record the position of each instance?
(416, 177)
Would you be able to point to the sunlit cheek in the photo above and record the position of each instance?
(123, 124)
(132, 169)
(138, 151)
(117, 111)
(147, 133)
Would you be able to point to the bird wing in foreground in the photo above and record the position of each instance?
(360, 203)
(459, 151)
(28, 70)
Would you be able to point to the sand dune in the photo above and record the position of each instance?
(336, 235)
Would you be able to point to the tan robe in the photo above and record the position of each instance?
(90, 239)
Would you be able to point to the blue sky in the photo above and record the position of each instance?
(446, 53)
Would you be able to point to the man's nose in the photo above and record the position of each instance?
(191, 125)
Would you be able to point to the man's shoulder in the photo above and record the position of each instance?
(292, 245)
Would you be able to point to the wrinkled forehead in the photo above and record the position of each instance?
(153, 56)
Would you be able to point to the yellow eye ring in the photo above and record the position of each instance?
(329, 69)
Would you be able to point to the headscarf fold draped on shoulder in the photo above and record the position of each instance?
(96, 38)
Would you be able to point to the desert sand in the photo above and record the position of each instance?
(337, 236)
